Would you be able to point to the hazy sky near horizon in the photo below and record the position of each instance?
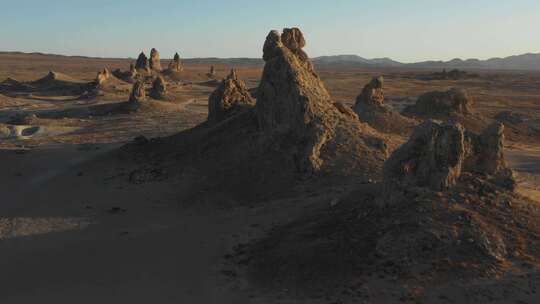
(404, 30)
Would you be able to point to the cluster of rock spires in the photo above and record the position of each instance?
(159, 88)
(437, 154)
(231, 95)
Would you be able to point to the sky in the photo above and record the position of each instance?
(404, 30)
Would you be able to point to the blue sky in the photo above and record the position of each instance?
(405, 30)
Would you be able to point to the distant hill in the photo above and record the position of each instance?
(520, 62)
(355, 60)
(528, 61)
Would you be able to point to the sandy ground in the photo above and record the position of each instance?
(74, 229)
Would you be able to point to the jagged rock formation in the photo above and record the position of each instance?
(293, 102)
(231, 95)
(138, 92)
(437, 154)
(176, 64)
(128, 76)
(155, 61)
(433, 104)
(370, 108)
(103, 76)
(159, 88)
(212, 72)
(142, 63)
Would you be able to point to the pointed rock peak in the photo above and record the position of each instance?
(372, 95)
(138, 92)
(159, 88)
(232, 94)
(272, 45)
(142, 62)
(232, 75)
(155, 62)
(176, 57)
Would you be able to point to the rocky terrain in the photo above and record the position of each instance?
(286, 182)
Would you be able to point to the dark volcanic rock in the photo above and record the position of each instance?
(231, 95)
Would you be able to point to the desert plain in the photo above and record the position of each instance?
(98, 206)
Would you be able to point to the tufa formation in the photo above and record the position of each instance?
(370, 108)
(432, 104)
(159, 88)
(142, 62)
(155, 62)
(176, 65)
(138, 92)
(293, 104)
(437, 154)
(231, 95)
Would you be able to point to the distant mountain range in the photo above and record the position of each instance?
(520, 62)
(528, 61)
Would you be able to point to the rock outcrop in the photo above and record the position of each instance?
(370, 108)
(176, 64)
(159, 88)
(138, 92)
(437, 154)
(127, 76)
(293, 103)
(142, 62)
(103, 76)
(212, 72)
(231, 95)
(434, 104)
(155, 61)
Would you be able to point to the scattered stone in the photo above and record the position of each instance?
(159, 88)
(231, 95)
(138, 92)
(142, 63)
(155, 62)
